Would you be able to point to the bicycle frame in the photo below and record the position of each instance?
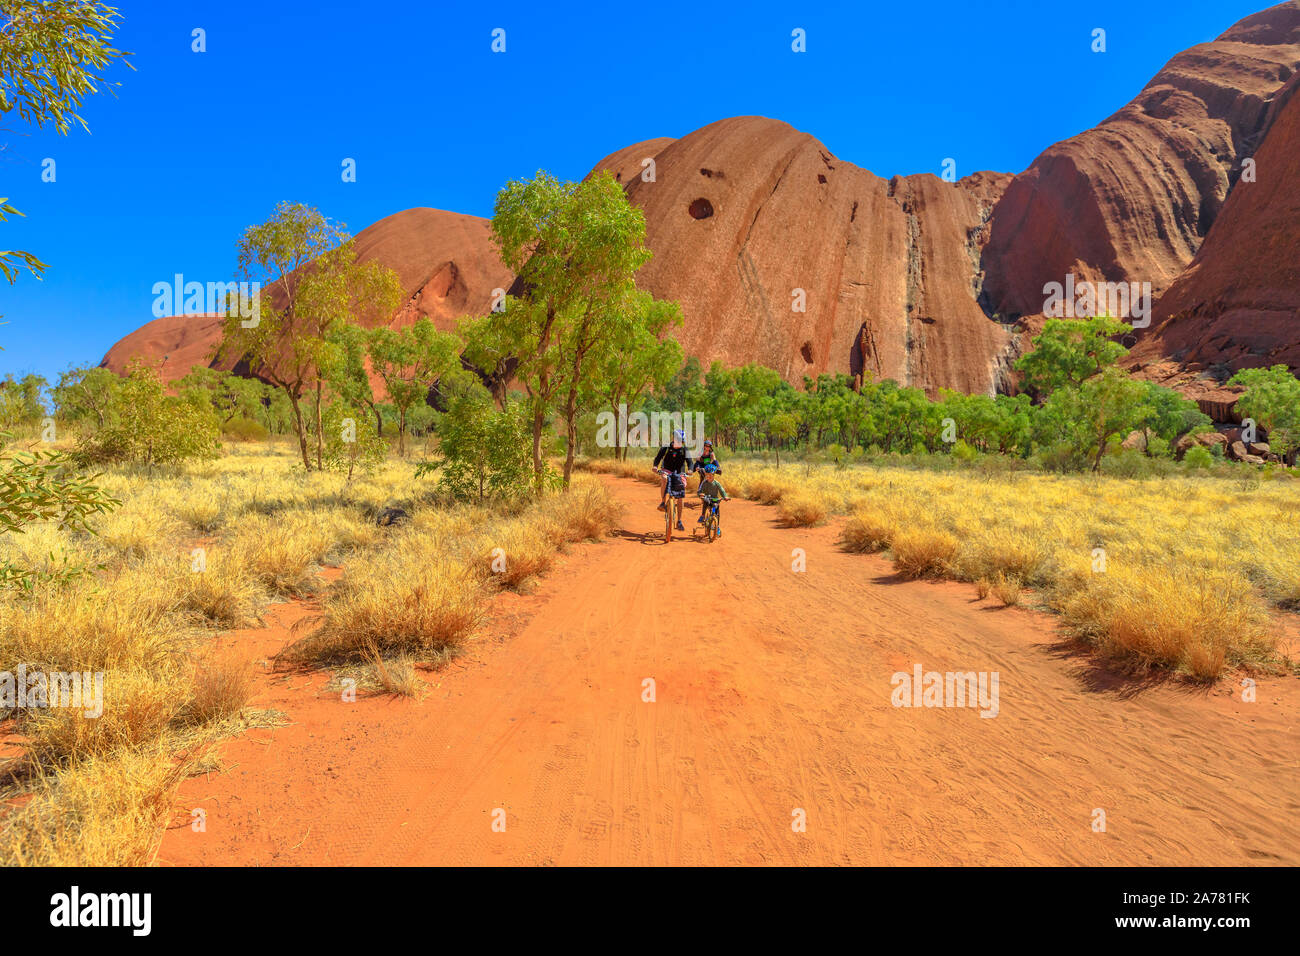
(712, 517)
(673, 502)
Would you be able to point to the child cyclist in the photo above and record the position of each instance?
(707, 457)
(711, 488)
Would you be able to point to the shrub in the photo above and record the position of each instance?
(350, 444)
(964, 452)
(220, 688)
(484, 454)
(867, 532)
(1199, 457)
(245, 429)
(585, 513)
(766, 491)
(145, 426)
(1007, 590)
(45, 486)
(1195, 622)
(405, 600)
(924, 552)
(802, 509)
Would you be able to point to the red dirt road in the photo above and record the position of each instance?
(773, 694)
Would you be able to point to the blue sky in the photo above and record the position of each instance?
(197, 146)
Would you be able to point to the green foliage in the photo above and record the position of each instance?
(293, 342)
(483, 453)
(1164, 415)
(1198, 456)
(348, 445)
(642, 357)
(143, 425)
(783, 426)
(673, 395)
(1086, 417)
(964, 452)
(409, 361)
(1272, 399)
(52, 53)
(576, 248)
(1069, 351)
(85, 394)
(244, 429)
(21, 403)
(45, 486)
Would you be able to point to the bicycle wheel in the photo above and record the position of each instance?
(711, 527)
(668, 520)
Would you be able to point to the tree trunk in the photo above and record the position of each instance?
(618, 435)
(299, 427)
(320, 433)
(537, 447)
(570, 432)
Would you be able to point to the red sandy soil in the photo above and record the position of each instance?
(773, 693)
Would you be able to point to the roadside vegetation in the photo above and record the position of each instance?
(209, 545)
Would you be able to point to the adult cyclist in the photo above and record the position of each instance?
(677, 463)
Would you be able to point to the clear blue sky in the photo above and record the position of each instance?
(197, 146)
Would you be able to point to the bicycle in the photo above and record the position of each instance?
(711, 517)
(672, 501)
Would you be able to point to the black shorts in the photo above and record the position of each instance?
(677, 486)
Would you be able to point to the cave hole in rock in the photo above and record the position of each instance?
(701, 209)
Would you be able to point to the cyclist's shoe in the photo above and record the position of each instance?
(662, 506)
(680, 526)
(700, 520)
(717, 533)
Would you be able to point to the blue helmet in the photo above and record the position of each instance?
(710, 469)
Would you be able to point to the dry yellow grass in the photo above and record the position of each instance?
(868, 531)
(93, 790)
(107, 813)
(424, 592)
(924, 552)
(220, 688)
(802, 509)
(1007, 590)
(396, 675)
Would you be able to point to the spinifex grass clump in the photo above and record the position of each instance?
(424, 592)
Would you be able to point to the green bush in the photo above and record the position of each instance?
(350, 441)
(143, 425)
(245, 429)
(484, 453)
(1198, 456)
(964, 452)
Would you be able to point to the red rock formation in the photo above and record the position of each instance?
(1238, 303)
(1132, 199)
(178, 342)
(447, 266)
(749, 218)
(446, 261)
(783, 254)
